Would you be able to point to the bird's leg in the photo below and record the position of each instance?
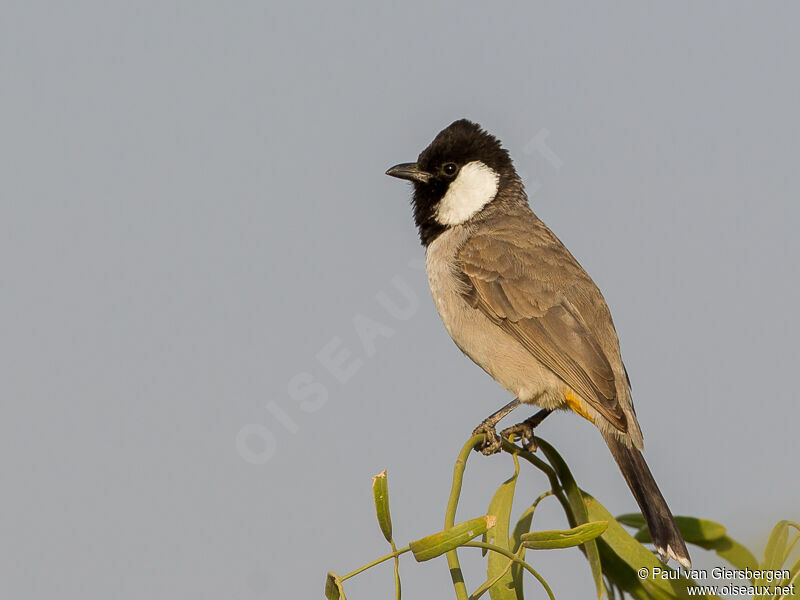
(493, 443)
(525, 429)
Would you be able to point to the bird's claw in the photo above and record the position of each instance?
(493, 442)
(524, 431)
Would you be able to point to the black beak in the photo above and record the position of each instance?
(409, 171)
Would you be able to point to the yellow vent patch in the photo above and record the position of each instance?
(575, 405)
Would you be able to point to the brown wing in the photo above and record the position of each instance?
(521, 277)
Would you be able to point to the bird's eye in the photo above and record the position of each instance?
(449, 169)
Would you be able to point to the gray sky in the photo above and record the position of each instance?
(194, 211)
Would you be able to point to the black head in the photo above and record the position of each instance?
(455, 177)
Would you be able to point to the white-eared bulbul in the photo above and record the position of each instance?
(517, 303)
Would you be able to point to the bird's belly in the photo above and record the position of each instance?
(494, 350)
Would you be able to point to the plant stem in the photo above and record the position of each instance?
(490, 582)
(545, 468)
(377, 561)
(396, 572)
(450, 513)
(515, 559)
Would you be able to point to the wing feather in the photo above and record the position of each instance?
(532, 290)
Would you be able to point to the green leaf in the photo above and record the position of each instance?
(579, 515)
(619, 574)
(794, 574)
(523, 526)
(333, 587)
(497, 565)
(380, 492)
(635, 520)
(546, 540)
(792, 544)
(500, 506)
(439, 543)
(623, 557)
(732, 551)
(704, 533)
(517, 560)
(487, 585)
(776, 545)
(774, 552)
(693, 530)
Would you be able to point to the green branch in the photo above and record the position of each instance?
(616, 557)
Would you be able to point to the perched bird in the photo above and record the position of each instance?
(517, 303)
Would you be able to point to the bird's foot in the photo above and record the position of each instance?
(524, 431)
(493, 442)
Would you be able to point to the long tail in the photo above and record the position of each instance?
(663, 530)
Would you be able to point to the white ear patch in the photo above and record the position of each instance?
(473, 188)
